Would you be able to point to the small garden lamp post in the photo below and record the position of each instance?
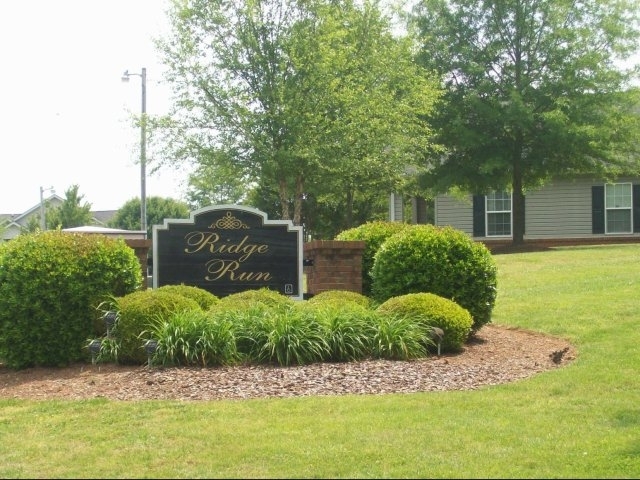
(150, 346)
(437, 334)
(94, 349)
(109, 320)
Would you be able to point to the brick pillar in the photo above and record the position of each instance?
(335, 265)
(141, 249)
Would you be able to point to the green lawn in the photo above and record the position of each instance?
(580, 421)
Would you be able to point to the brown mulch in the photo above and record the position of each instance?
(495, 355)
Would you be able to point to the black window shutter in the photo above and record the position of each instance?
(597, 209)
(479, 228)
(636, 208)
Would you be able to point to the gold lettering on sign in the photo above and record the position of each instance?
(229, 269)
(218, 268)
(197, 241)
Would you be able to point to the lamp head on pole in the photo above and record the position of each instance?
(125, 76)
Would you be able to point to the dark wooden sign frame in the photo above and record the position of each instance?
(229, 248)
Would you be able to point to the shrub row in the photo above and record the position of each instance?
(263, 326)
(401, 259)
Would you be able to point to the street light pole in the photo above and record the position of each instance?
(143, 147)
(43, 224)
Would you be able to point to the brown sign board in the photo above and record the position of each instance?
(226, 249)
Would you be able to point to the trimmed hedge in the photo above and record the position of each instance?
(374, 235)
(433, 311)
(442, 261)
(204, 298)
(51, 284)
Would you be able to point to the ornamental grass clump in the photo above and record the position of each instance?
(288, 337)
(428, 311)
(399, 337)
(442, 261)
(349, 327)
(193, 337)
(138, 313)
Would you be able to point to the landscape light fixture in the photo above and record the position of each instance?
(94, 349)
(143, 146)
(437, 334)
(109, 320)
(150, 346)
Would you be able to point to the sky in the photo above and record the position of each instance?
(66, 114)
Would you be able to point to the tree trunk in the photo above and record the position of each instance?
(348, 220)
(297, 201)
(517, 209)
(284, 199)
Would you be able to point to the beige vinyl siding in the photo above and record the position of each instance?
(560, 209)
(454, 212)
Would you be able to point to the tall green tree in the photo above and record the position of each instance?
(535, 89)
(298, 97)
(72, 212)
(158, 208)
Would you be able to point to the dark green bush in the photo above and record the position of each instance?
(50, 286)
(204, 298)
(431, 310)
(442, 261)
(138, 312)
(341, 296)
(373, 234)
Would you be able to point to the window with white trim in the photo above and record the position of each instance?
(618, 203)
(498, 212)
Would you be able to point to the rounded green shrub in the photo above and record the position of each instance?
(442, 261)
(204, 298)
(374, 235)
(51, 284)
(432, 310)
(246, 298)
(138, 312)
(339, 296)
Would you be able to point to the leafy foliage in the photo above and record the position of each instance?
(138, 312)
(429, 310)
(70, 213)
(285, 95)
(261, 296)
(534, 90)
(399, 337)
(193, 337)
(374, 234)
(50, 286)
(349, 327)
(338, 296)
(128, 216)
(442, 261)
(204, 298)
